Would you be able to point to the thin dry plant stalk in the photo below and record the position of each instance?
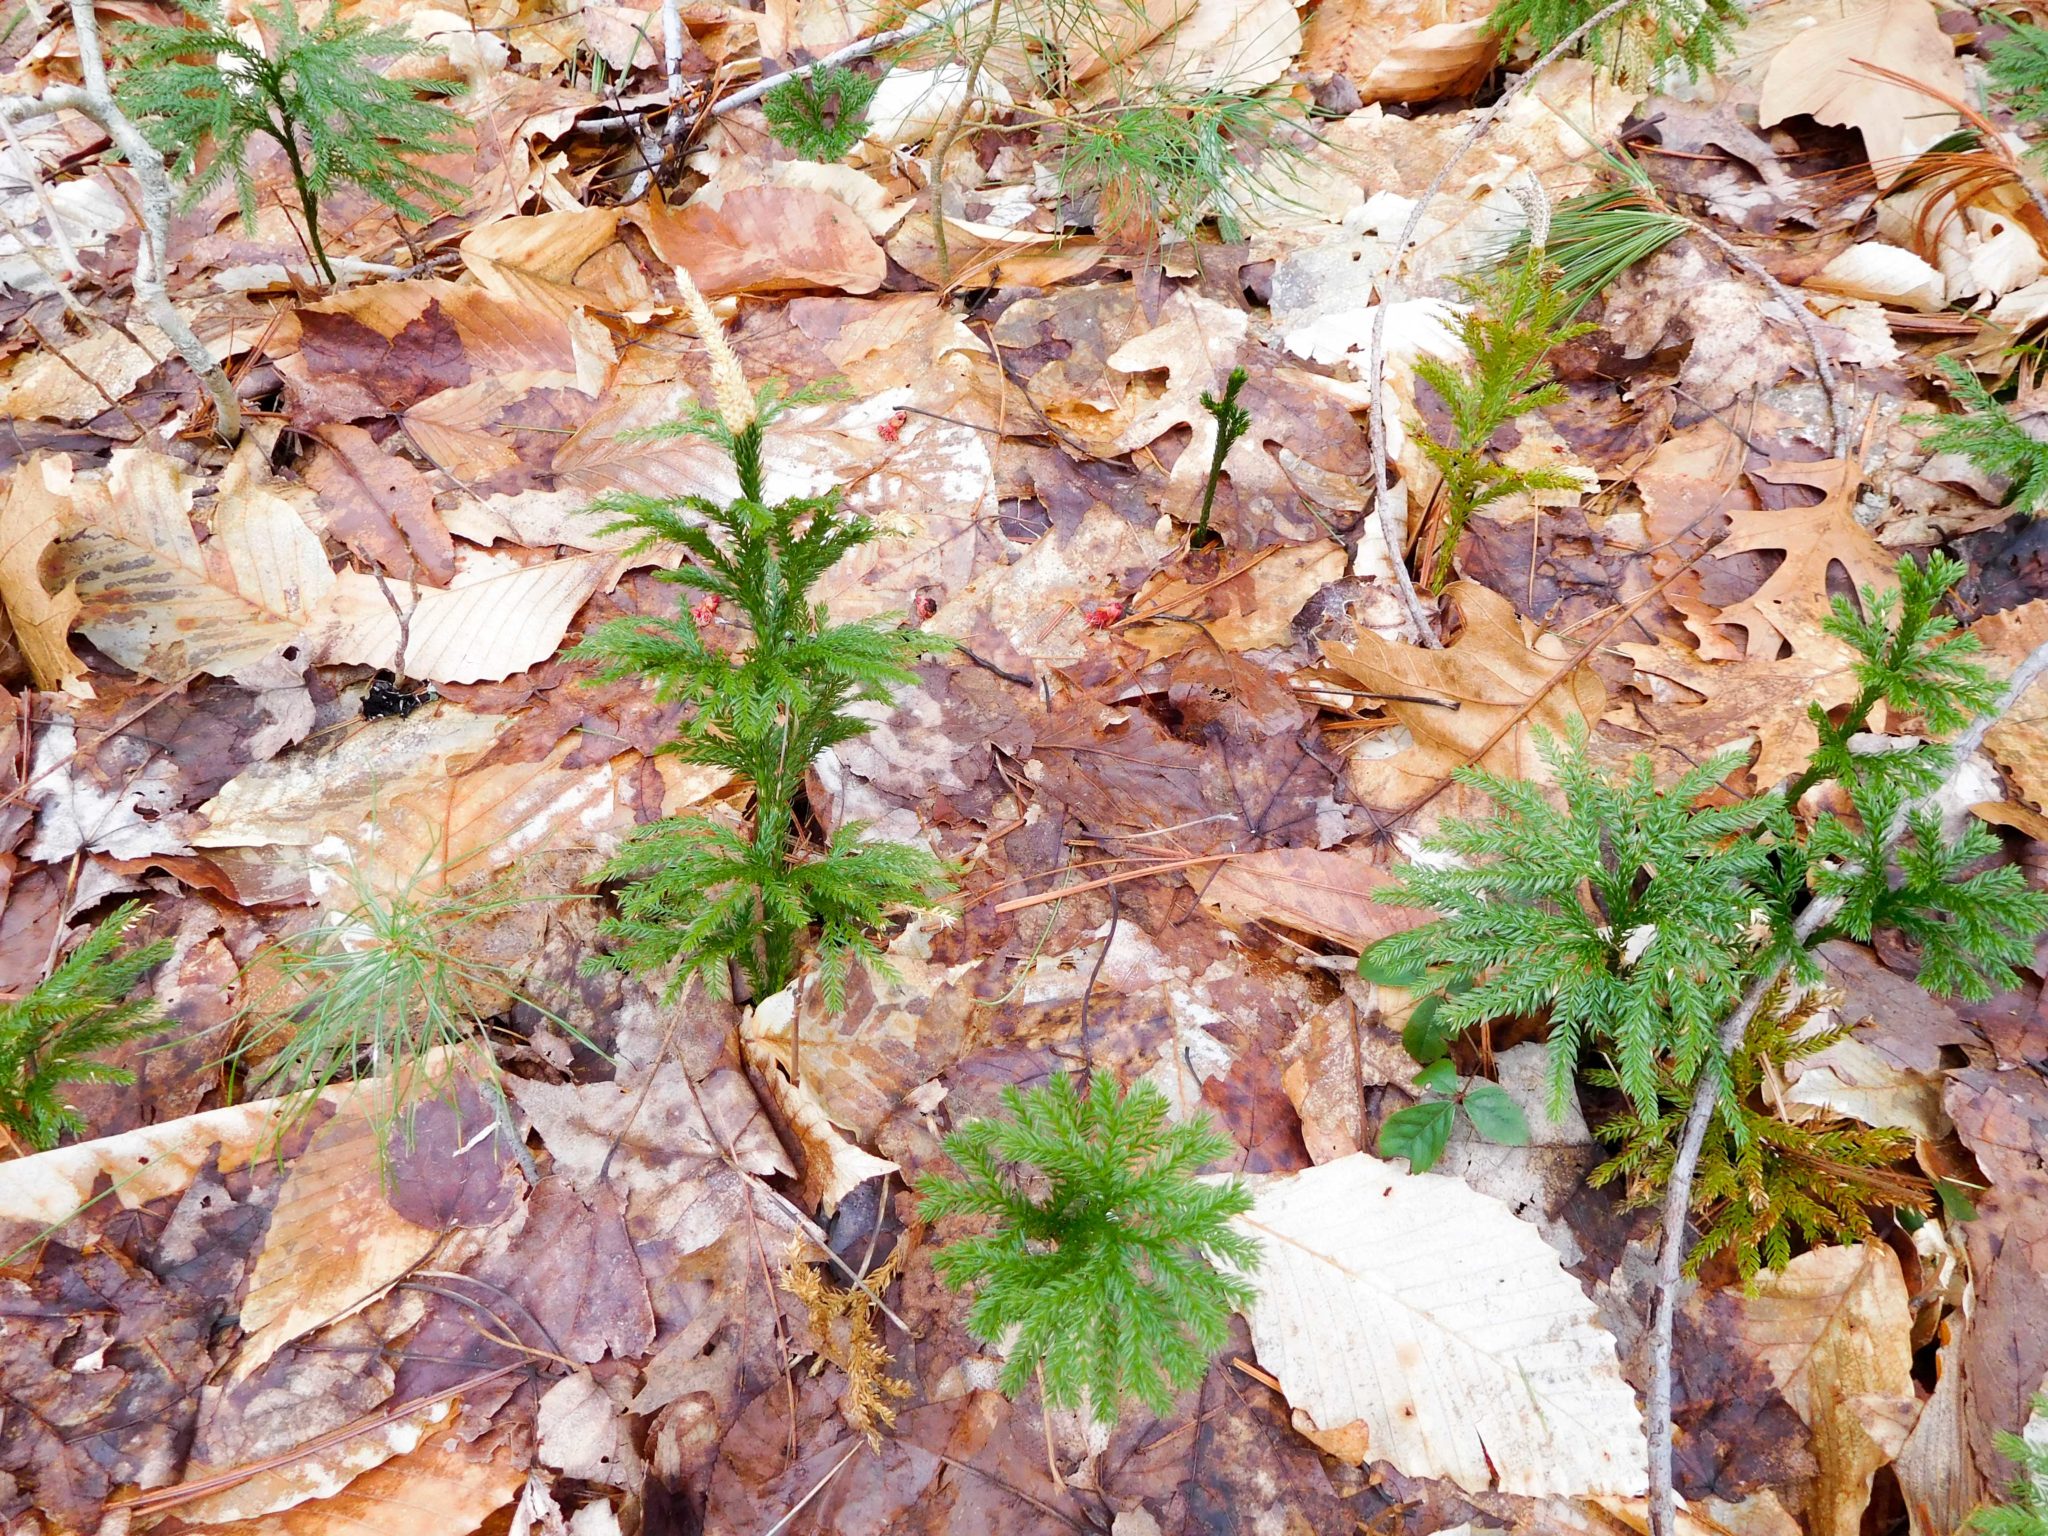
(95, 100)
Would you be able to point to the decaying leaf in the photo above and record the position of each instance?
(1834, 1329)
(32, 516)
(1329, 894)
(843, 1334)
(1412, 1320)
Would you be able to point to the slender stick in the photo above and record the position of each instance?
(861, 49)
(95, 100)
(1376, 353)
(1678, 1196)
(943, 145)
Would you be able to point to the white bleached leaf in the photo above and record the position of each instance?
(1427, 1316)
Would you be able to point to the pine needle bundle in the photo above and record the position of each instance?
(702, 895)
(49, 1038)
(1099, 1263)
(1518, 313)
(323, 93)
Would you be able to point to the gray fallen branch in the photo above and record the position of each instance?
(95, 100)
(1678, 1197)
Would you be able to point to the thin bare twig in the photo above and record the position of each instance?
(1376, 352)
(943, 146)
(1678, 1197)
(95, 100)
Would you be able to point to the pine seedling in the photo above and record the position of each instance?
(701, 895)
(1174, 158)
(1099, 1264)
(1640, 45)
(2025, 1512)
(1763, 1180)
(1987, 434)
(388, 989)
(821, 116)
(324, 94)
(1518, 313)
(48, 1039)
(1232, 422)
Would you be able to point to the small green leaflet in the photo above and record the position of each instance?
(1496, 1116)
(1438, 1077)
(1418, 1133)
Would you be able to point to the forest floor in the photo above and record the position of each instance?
(1173, 778)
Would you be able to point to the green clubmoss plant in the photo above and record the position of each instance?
(1232, 422)
(324, 94)
(1635, 917)
(1643, 43)
(822, 115)
(2018, 66)
(2025, 1512)
(1986, 433)
(1764, 1179)
(1098, 1263)
(701, 895)
(49, 1038)
(1518, 314)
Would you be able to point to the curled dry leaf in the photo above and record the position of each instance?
(34, 513)
(768, 240)
(1412, 1320)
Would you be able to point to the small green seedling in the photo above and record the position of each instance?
(1232, 422)
(1099, 1262)
(1422, 1131)
(325, 94)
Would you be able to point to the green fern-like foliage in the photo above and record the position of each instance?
(1098, 1264)
(1634, 917)
(1762, 1181)
(1985, 433)
(705, 896)
(821, 116)
(48, 1039)
(1559, 910)
(2025, 1512)
(2018, 66)
(1638, 45)
(1518, 314)
(203, 91)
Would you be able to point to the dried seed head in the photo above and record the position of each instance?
(1535, 201)
(729, 391)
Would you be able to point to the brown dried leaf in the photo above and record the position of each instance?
(1499, 666)
(1817, 74)
(1354, 37)
(33, 515)
(1252, 610)
(1331, 895)
(1835, 1330)
(163, 603)
(1452, 59)
(767, 240)
(378, 505)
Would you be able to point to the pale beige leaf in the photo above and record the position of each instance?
(78, 379)
(833, 1165)
(1332, 895)
(584, 1434)
(1835, 1331)
(446, 1487)
(1446, 60)
(498, 618)
(1818, 73)
(162, 602)
(768, 240)
(334, 1243)
(1937, 1479)
(38, 501)
(1431, 1317)
(1886, 273)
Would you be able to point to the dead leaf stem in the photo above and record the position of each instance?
(1678, 1196)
